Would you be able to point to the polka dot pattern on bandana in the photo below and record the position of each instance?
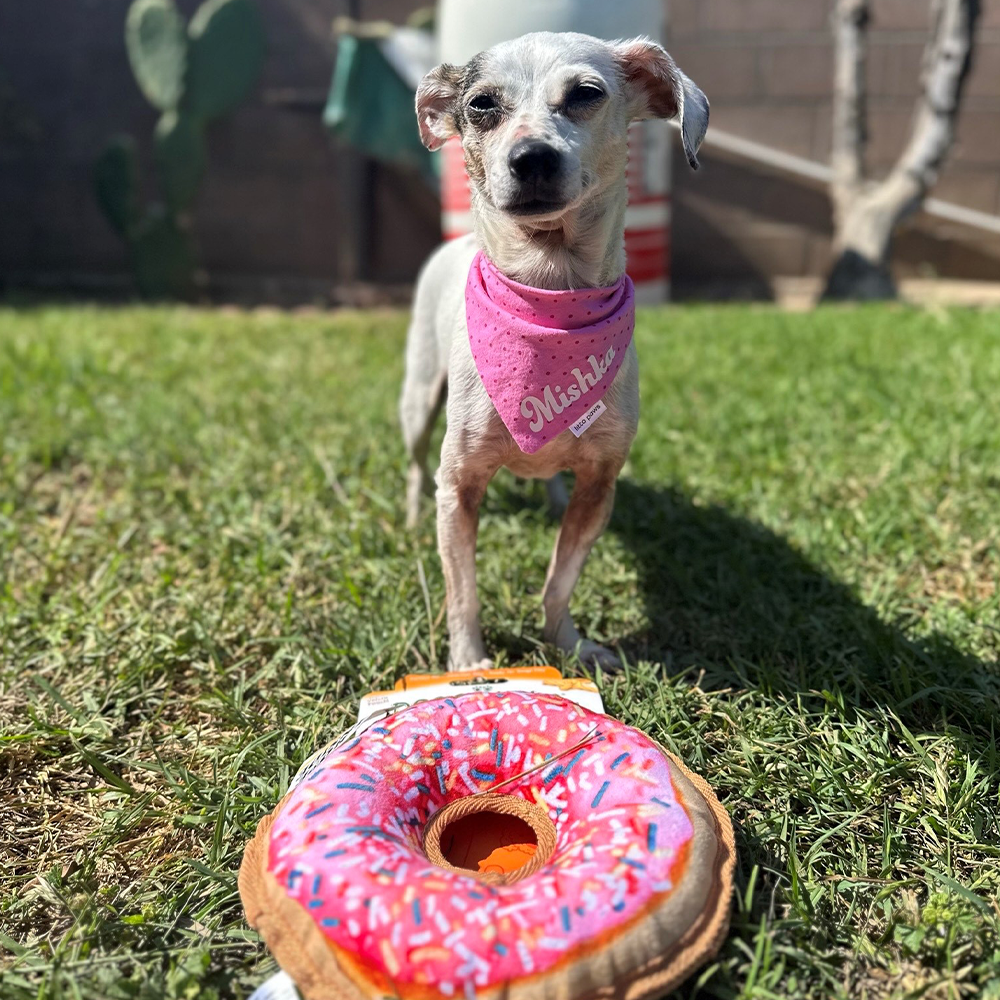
(545, 357)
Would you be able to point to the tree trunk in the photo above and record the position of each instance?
(867, 213)
(861, 246)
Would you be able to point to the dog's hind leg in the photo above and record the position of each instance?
(424, 387)
(419, 410)
(555, 488)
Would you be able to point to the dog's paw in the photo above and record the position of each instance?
(597, 656)
(485, 664)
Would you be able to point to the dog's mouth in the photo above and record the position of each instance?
(527, 208)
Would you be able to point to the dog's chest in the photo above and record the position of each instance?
(606, 440)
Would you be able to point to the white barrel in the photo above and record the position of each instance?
(466, 27)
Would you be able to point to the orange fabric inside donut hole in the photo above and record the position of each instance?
(498, 838)
(478, 842)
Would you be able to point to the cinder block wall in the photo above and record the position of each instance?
(268, 217)
(767, 66)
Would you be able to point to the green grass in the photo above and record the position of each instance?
(203, 565)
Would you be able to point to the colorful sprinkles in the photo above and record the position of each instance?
(347, 845)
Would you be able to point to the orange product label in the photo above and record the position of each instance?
(464, 677)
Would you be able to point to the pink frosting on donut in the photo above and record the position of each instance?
(347, 844)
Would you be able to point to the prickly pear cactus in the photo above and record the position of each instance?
(163, 258)
(116, 177)
(180, 159)
(157, 45)
(226, 55)
(192, 74)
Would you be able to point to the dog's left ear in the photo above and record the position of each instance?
(658, 89)
(436, 99)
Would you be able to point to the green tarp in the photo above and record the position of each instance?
(371, 107)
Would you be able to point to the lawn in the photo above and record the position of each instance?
(203, 564)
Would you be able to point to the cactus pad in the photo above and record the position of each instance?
(192, 75)
(156, 41)
(180, 158)
(163, 259)
(116, 179)
(225, 55)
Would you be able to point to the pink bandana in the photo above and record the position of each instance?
(546, 358)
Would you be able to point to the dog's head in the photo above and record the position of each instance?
(544, 119)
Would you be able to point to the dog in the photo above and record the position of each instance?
(543, 121)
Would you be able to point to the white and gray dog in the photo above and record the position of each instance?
(544, 124)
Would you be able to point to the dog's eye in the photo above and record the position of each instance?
(583, 96)
(484, 104)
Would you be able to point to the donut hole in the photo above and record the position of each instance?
(473, 839)
(512, 836)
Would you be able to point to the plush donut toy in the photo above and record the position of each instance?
(606, 866)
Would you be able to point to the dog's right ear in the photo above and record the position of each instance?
(437, 96)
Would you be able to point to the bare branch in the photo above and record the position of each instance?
(947, 60)
(850, 26)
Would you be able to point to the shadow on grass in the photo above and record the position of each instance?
(736, 600)
(730, 597)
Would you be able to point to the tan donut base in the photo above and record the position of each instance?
(681, 932)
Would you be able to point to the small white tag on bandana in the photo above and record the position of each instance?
(588, 418)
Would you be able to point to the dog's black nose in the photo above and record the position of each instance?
(533, 159)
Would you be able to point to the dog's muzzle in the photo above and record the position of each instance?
(536, 167)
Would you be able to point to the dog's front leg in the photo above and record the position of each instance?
(460, 489)
(586, 518)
